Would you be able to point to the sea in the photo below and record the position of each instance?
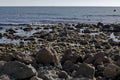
(46, 15)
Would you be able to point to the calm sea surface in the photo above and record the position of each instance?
(38, 15)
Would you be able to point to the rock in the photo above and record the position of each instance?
(69, 66)
(71, 55)
(116, 28)
(28, 29)
(35, 78)
(101, 58)
(99, 70)
(82, 78)
(85, 70)
(48, 56)
(1, 35)
(31, 38)
(88, 58)
(18, 70)
(2, 63)
(118, 62)
(99, 24)
(10, 31)
(1, 28)
(83, 42)
(116, 59)
(113, 43)
(4, 77)
(106, 28)
(87, 31)
(63, 75)
(100, 67)
(23, 58)
(111, 70)
(47, 74)
(6, 57)
(50, 37)
(41, 34)
(76, 70)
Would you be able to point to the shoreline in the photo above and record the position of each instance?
(60, 51)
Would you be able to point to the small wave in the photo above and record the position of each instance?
(101, 15)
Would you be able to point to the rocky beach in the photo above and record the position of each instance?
(60, 51)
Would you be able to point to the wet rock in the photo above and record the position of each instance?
(10, 31)
(81, 25)
(1, 35)
(48, 55)
(18, 70)
(111, 70)
(30, 38)
(106, 28)
(116, 28)
(1, 28)
(99, 25)
(28, 29)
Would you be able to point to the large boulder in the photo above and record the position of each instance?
(111, 70)
(18, 70)
(48, 55)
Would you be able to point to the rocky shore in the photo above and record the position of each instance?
(60, 52)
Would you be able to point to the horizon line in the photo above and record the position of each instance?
(58, 6)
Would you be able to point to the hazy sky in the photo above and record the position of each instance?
(59, 2)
